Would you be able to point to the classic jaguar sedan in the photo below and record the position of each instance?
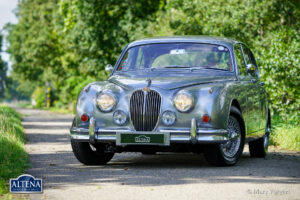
(175, 94)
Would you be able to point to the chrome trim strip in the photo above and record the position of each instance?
(200, 131)
(99, 130)
(79, 137)
(75, 130)
(202, 135)
(199, 139)
(173, 139)
(92, 130)
(193, 130)
(109, 138)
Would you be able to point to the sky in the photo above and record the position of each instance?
(7, 15)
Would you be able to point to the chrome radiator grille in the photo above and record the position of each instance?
(145, 109)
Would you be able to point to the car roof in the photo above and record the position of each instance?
(196, 39)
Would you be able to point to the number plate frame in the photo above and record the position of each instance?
(142, 138)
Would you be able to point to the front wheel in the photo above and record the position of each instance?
(89, 154)
(228, 153)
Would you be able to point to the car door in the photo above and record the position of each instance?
(255, 106)
(260, 97)
(245, 89)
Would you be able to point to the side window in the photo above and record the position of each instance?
(249, 57)
(240, 60)
(125, 62)
(140, 60)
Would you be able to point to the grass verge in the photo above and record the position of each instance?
(285, 135)
(13, 158)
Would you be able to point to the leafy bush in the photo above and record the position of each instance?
(280, 67)
(69, 42)
(70, 91)
(38, 96)
(270, 28)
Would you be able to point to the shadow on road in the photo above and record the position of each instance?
(165, 169)
(53, 160)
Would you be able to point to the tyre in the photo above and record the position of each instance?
(259, 148)
(228, 154)
(89, 155)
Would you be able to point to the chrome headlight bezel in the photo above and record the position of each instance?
(109, 108)
(163, 119)
(188, 96)
(124, 114)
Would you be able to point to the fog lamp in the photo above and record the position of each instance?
(119, 117)
(168, 118)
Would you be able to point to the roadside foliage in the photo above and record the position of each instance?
(3, 69)
(66, 44)
(13, 158)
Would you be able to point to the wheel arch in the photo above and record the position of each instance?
(235, 104)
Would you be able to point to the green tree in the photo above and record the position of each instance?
(3, 69)
(68, 43)
(270, 28)
(33, 44)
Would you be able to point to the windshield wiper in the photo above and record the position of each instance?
(191, 68)
(172, 66)
(210, 67)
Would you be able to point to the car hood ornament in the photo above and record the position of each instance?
(147, 89)
(149, 82)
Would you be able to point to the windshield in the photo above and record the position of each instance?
(176, 55)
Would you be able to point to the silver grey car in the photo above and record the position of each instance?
(175, 94)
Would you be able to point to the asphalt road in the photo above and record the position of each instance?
(163, 176)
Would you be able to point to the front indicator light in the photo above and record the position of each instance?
(205, 118)
(84, 118)
(168, 118)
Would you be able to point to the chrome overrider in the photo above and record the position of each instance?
(192, 135)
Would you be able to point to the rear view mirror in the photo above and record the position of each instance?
(250, 69)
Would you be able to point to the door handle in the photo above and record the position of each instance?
(261, 83)
(253, 80)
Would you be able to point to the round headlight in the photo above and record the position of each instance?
(183, 102)
(119, 117)
(106, 102)
(168, 118)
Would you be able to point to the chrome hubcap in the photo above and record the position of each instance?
(231, 147)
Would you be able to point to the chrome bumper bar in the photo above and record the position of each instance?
(193, 135)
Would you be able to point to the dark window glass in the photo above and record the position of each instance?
(176, 55)
(240, 60)
(249, 57)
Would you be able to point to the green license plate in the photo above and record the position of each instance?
(143, 139)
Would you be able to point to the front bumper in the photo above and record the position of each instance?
(184, 135)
